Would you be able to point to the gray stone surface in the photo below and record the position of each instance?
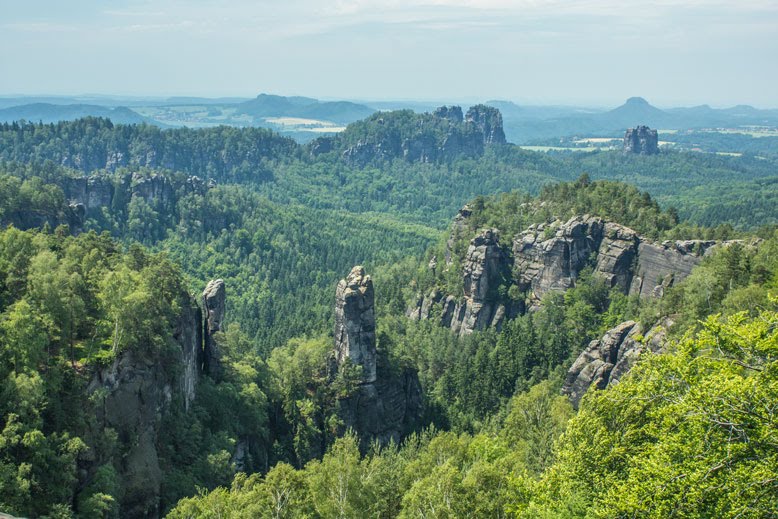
(355, 322)
(641, 140)
(606, 360)
(387, 404)
(214, 307)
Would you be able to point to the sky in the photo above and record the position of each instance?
(588, 52)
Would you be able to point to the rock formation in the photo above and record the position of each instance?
(97, 191)
(214, 301)
(387, 403)
(550, 257)
(488, 121)
(444, 134)
(641, 140)
(355, 323)
(485, 268)
(452, 113)
(136, 391)
(609, 358)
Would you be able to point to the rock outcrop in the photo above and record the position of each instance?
(214, 306)
(641, 140)
(136, 391)
(486, 267)
(97, 191)
(444, 134)
(387, 403)
(488, 121)
(355, 323)
(609, 358)
(549, 257)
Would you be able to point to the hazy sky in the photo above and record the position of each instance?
(596, 52)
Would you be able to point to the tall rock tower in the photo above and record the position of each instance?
(355, 323)
(641, 140)
(214, 302)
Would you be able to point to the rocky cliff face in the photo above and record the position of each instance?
(442, 135)
(386, 405)
(609, 358)
(135, 392)
(641, 140)
(98, 191)
(355, 323)
(485, 268)
(214, 306)
(488, 121)
(550, 257)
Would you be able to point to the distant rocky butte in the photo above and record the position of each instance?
(444, 134)
(606, 360)
(641, 140)
(549, 257)
(387, 404)
(135, 392)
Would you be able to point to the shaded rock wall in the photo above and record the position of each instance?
(135, 392)
(550, 257)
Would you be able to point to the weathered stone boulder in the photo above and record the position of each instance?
(609, 358)
(214, 306)
(355, 322)
(641, 140)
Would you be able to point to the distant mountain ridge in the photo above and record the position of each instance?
(267, 105)
(51, 113)
(526, 124)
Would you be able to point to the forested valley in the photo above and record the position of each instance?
(529, 335)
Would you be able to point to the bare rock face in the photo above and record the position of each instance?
(355, 322)
(485, 268)
(641, 140)
(550, 256)
(132, 395)
(609, 358)
(214, 303)
(488, 120)
(659, 266)
(92, 192)
(388, 403)
(621, 257)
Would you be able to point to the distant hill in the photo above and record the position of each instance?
(51, 113)
(266, 105)
(528, 124)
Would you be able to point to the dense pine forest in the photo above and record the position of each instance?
(498, 275)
